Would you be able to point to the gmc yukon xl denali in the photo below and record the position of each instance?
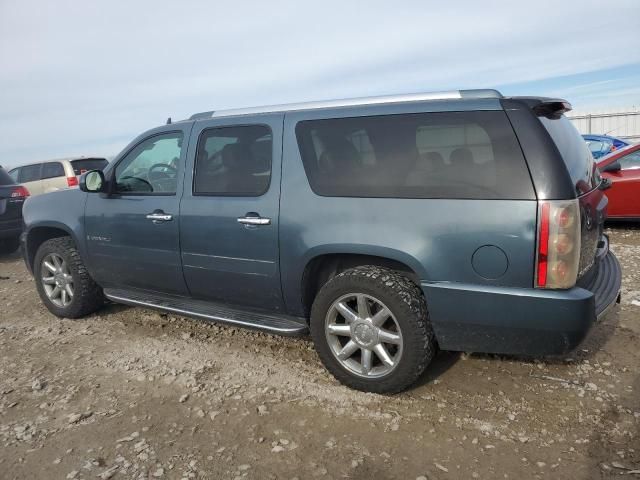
(386, 227)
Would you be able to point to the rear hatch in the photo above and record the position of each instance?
(83, 165)
(586, 179)
(11, 199)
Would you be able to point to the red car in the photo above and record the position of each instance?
(622, 168)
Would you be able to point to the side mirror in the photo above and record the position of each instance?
(92, 181)
(612, 167)
(605, 184)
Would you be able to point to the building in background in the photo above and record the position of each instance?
(623, 123)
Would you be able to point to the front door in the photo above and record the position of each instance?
(229, 212)
(133, 232)
(30, 176)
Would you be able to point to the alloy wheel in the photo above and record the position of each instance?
(57, 280)
(363, 335)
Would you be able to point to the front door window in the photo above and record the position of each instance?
(151, 167)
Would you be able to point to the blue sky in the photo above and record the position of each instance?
(86, 77)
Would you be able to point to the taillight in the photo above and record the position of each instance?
(19, 192)
(72, 181)
(558, 254)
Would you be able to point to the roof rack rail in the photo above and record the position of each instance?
(197, 116)
(350, 102)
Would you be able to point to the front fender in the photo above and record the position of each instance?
(54, 214)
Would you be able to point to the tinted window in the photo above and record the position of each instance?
(598, 147)
(86, 164)
(425, 155)
(29, 173)
(234, 161)
(631, 161)
(14, 174)
(151, 167)
(52, 170)
(5, 178)
(574, 151)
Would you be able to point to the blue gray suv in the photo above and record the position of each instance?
(386, 227)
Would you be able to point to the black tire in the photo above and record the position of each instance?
(9, 245)
(407, 303)
(87, 296)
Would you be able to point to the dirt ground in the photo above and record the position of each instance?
(132, 393)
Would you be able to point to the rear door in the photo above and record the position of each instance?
(31, 177)
(229, 212)
(53, 177)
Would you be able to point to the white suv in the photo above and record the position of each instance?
(44, 177)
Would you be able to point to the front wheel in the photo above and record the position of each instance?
(63, 282)
(371, 329)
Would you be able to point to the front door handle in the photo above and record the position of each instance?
(254, 219)
(158, 216)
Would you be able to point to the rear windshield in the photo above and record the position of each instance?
(5, 179)
(425, 155)
(86, 164)
(575, 153)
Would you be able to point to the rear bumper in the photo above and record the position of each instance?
(522, 321)
(10, 228)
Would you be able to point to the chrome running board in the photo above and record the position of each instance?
(280, 324)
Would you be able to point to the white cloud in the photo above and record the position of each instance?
(86, 76)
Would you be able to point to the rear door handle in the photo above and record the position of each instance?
(158, 216)
(254, 219)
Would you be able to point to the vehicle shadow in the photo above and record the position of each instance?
(594, 342)
(604, 442)
(442, 362)
(9, 258)
(622, 225)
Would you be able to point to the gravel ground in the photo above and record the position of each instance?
(132, 393)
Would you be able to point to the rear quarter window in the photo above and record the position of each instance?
(466, 155)
(575, 153)
(30, 173)
(5, 178)
(52, 170)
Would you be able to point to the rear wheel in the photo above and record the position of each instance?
(371, 329)
(63, 282)
(9, 245)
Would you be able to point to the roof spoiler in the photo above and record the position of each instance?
(552, 108)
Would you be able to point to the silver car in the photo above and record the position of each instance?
(44, 177)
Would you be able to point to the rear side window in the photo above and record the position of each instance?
(631, 161)
(29, 173)
(86, 164)
(52, 170)
(574, 151)
(598, 147)
(234, 161)
(5, 178)
(427, 155)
